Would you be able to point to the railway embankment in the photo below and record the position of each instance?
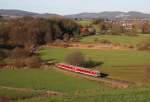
(106, 81)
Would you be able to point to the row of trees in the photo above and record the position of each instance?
(1, 16)
(19, 58)
(19, 38)
(116, 27)
(146, 28)
(30, 31)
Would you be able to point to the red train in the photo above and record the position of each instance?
(79, 69)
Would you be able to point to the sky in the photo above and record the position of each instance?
(66, 7)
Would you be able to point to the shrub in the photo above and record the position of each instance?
(75, 58)
(60, 43)
(96, 39)
(145, 45)
(92, 31)
(2, 64)
(4, 99)
(147, 74)
(116, 29)
(105, 41)
(33, 62)
(20, 53)
(130, 46)
(2, 54)
(66, 37)
(76, 39)
(19, 63)
(91, 63)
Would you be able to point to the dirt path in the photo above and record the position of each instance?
(134, 66)
(20, 89)
(49, 92)
(96, 46)
(40, 93)
(91, 46)
(107, 81)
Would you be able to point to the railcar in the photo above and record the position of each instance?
(79, 70)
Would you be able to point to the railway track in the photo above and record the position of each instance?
(107, 81)
(115, 83)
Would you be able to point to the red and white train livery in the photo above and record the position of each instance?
(78, 69)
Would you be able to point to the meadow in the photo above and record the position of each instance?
(126, 65)
(40, 80)
(85, 22)
(16, 95)
(75, 89)
(43, 80)
(117, 39)
(121, 64)
(101, 95)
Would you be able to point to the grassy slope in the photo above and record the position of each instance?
(40, 80)
(117, 39)
(109, 57)
(77, 90)
(118, 64)
(101, 95)
(43, 79)
(13, 94)
(84, 22)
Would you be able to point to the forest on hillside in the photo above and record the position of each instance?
(30, 31)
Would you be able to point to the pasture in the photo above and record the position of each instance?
(85, 22)
(75, 89)
(128, 65)
(39, 79)
(15, 95)
(123, 40)
(101, 95)
(43, 80)
(121, 64)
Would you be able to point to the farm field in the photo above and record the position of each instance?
(43, 80)
(126, 65)
(117, 95)
(85, 22)
(75, 89)
(15, 95)
(121, 64)
(75, 51)
(38, 79)
(123, 40)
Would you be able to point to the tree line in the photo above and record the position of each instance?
(107, 26)
(19, 39)
(36, 31)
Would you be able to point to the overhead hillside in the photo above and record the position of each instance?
(111, 15)
(20, 13)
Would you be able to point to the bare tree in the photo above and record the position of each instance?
(75, 58)
(1, 16)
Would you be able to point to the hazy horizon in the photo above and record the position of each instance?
(66, 7)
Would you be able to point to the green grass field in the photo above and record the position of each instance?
(15, 95)
(117, 39)
(43, 80)
(77, 90)
(120, 64)
(97, 95)
(127, 65)
(84, 22)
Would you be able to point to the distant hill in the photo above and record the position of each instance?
(111, 15)
(20, 13)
